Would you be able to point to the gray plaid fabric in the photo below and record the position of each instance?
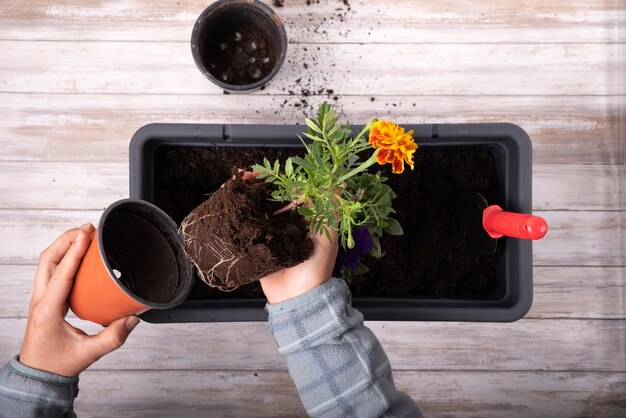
(337, 364)
(27, 392)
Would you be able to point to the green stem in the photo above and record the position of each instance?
(367, 164)
(365, 128)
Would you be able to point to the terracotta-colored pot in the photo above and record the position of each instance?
(134, 263)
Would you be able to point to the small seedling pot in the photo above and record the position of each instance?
(239, 45)
(134, 263)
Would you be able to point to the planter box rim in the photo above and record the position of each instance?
(508, 141)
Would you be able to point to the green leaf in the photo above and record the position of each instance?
(393, 227)
(258, 168)
(312, 125)
(360, 269)
(288, 167)
(326, 232)
(375, 251)
(305, 211)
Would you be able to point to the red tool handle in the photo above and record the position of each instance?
(498, 223)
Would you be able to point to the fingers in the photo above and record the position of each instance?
(322, 240)
(112, 338)
(51, 257)
(325, 252)
(250, 175)
(60, 283)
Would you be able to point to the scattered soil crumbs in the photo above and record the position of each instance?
(311, 88)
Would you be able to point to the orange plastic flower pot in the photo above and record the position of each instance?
(134, 263)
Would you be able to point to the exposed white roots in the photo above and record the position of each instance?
(217, 249)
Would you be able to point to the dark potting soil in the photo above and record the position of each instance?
(240, 54)
(432, 258)
(234, 239)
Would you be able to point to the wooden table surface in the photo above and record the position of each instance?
(79, 77)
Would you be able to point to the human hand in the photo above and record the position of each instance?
(294, 281)
(50, 342)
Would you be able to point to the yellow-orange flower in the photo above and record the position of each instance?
(395, 146)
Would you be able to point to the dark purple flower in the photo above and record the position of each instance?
(362, 245)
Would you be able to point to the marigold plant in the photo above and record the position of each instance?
(331, 187)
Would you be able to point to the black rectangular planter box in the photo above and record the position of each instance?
(509, 145)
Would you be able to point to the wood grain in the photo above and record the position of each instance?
(97, 128)
(425, 69)
(579, 239)
(559, 292)
(578, 292)
(400, 21)
(528, 344)
(272, 394)
(61, 185)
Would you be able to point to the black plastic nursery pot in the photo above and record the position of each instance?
(509, 146)
(240, 45)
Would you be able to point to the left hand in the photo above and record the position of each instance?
(51, 343)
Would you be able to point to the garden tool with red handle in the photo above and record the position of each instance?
(483, 224)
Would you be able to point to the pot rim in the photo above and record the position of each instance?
(265, 11)
(170, 224)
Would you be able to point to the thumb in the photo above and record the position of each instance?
(113, 337)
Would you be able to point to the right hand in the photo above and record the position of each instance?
(291, 282)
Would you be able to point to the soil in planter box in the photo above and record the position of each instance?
(431, 259)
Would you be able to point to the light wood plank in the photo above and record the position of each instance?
(577, 292)
(559, 292)
(575, 238)
(427, 69)
(400, 21)
(529, 344)
(272, 394)
(61, 185)
(539, 395)
(575, 187)
(26, 233)
(16, 285)
(187, 394)
(81, 128)
(579, 239)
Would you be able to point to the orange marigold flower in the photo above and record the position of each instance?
(395, 146)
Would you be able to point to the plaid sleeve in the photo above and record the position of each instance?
(28, 392)
(337, 364)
